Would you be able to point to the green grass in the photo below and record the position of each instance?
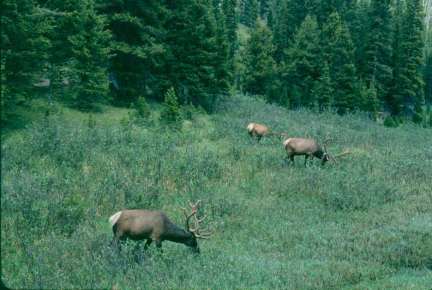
(364, 223)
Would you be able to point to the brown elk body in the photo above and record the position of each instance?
(154, 226)
(257, 130)
(307, 147)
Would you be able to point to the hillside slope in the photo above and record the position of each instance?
(364, 223)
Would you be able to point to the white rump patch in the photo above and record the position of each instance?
(250, 127)
(114, 218)
(285, 143)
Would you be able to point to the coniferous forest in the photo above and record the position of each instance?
(216, 144)
(372, 56)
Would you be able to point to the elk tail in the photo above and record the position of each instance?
(114, 218)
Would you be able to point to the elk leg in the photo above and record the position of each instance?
(159, 245)
(147, 244)
(306, 158)
(118, 236)
(291, 157)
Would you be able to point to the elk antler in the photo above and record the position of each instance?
(346, 152)
(196, 231)
(194, 211)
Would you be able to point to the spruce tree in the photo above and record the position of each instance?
(302, 62)
(229, 11)
(171, 112)
(139, 47)
(290, 15)
(90, 54)
(323, 88)
(259, 63)
(195, 56)
(24, 51)
(394, 99)
(379, 48)
(410, 80)
(249, 12)
(368, 98)
(339, 51)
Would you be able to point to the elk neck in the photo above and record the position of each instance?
(177, 234)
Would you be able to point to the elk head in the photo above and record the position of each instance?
(196, 231)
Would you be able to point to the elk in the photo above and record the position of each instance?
(307, 147)
(155, 226)
(259, 131)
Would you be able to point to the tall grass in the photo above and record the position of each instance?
(364, 223)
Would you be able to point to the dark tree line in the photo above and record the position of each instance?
(117, 51)
(346, 55)
(342, 54)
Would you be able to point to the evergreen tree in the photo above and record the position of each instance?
(428, 67)
(302, 62)
(394, 100)
(263, 8)
(368, 98)
(139, 47)
(323, 88)
(379, 48)
(142, 108)
(171, 113)
(24, 51)
(224, 59)
(428, 79)
(90, 54)
(250, 11)
(359, 28)
(195, 57)
(339, 51)
(230, 26)
(259, 64)
(410, 79)
(291, 15)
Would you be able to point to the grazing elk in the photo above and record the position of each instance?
(307, 147)
(259, 131)
(155, 226)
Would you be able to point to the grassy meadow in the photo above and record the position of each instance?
(363, 223)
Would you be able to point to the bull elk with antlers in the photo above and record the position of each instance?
(155, 226)
(309, 148)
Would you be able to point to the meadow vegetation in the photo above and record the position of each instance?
(364, 223)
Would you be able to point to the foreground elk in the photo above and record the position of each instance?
(307, 147)
(155, 226)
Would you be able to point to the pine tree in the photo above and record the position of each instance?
(90, 54)
(259, 63)
(379, 48)
(302, 62)
(339, 51)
